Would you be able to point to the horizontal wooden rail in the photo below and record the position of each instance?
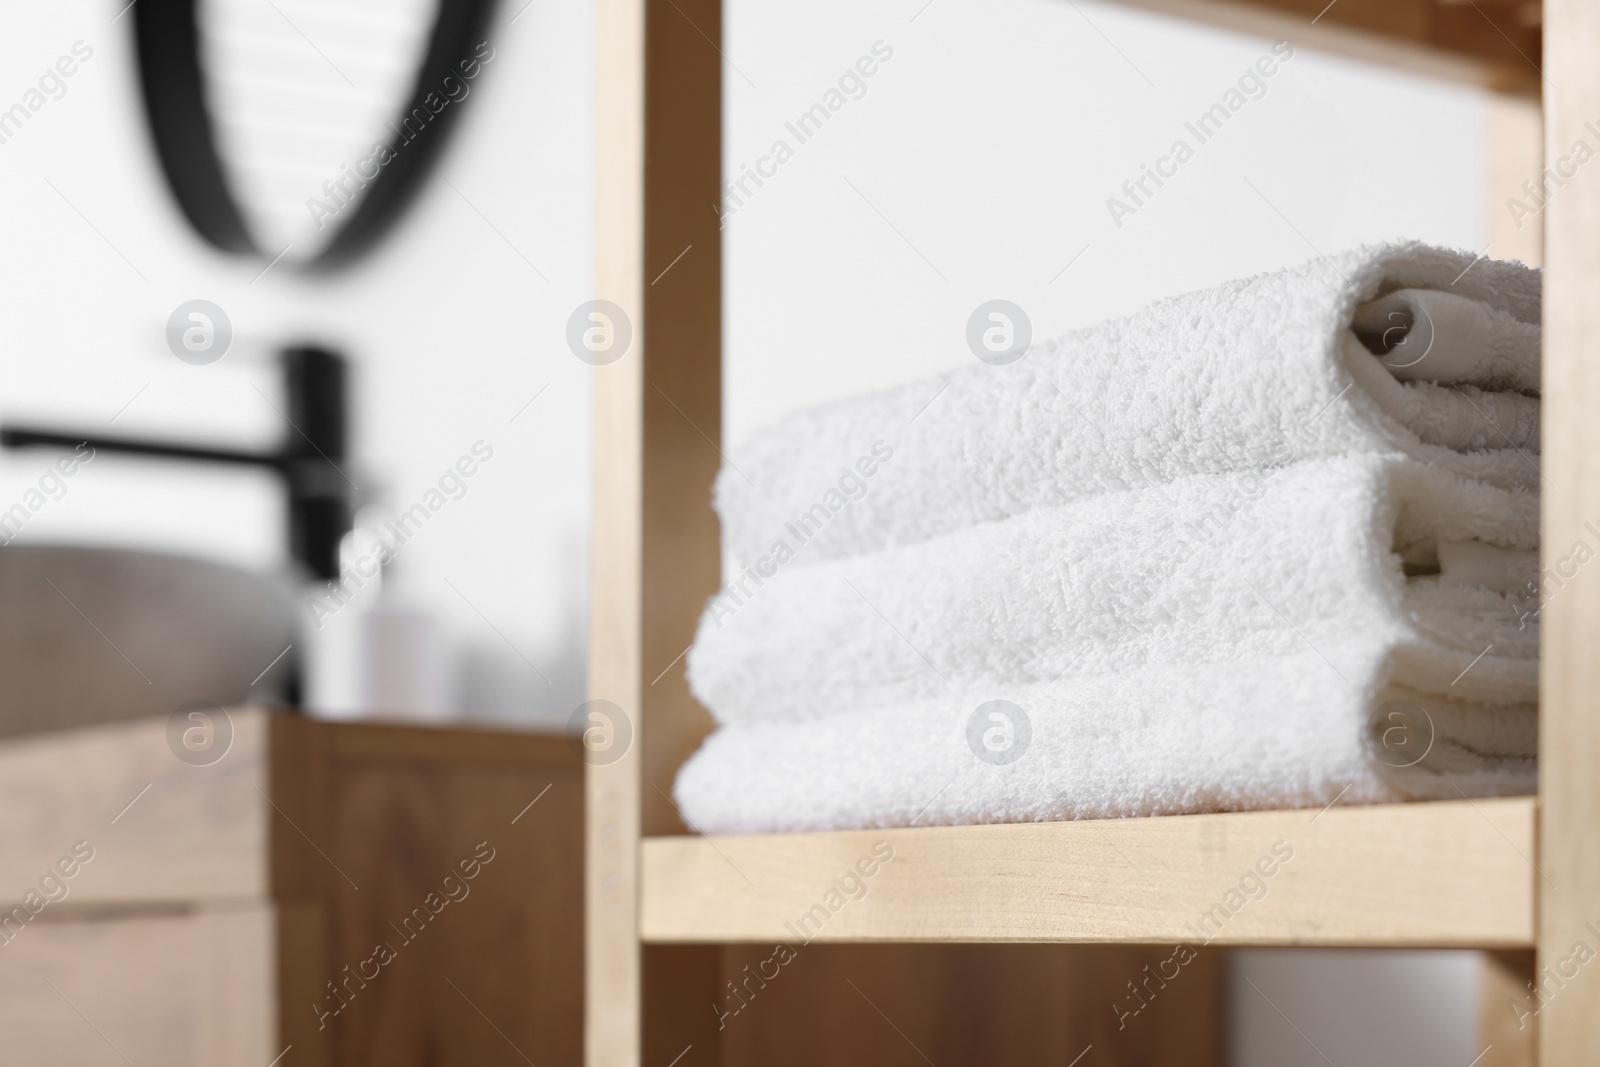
(1492, 43)
(1455, 873)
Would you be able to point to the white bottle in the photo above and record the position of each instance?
(404, 669)
(372, 652)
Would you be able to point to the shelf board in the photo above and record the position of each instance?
(1489, 43)
(1445, 874)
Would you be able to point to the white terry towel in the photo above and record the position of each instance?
(1220, 643)
(1427, 335)
(1236, 567)
(1249, 375)
(1277, 732)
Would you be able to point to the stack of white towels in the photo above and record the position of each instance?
(1272, 544)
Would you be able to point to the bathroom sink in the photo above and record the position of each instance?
(90, 635)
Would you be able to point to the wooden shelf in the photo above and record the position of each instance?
(1492, 43)
(1455, 873)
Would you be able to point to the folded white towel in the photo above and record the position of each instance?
(1233, 567)
(1288, 731)
(1445, 338)
(1474, 563)
(1250, 375)
(1270, 545)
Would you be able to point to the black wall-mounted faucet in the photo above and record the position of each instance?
(309, 460)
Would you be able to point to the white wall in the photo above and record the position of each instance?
(992, 140)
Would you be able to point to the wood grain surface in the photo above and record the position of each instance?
(1442, 874)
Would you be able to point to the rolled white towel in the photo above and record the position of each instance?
(1424, 335)
(1249, 375)
(1209, 569)
(1281, 731)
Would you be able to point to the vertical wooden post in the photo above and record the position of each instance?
(1569, 730)
(655, 556)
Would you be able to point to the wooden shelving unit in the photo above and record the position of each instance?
(663, 905)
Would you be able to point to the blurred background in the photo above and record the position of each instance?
(975, 163)
(451, 325)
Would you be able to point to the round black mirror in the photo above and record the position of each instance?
(273, 149)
